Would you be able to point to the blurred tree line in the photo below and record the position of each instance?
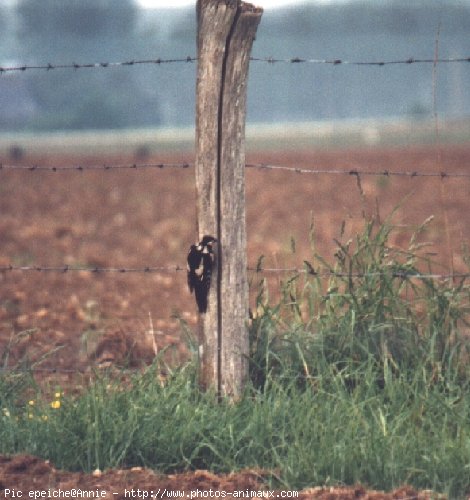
(60, 31)
(402, 17)
(84, 31)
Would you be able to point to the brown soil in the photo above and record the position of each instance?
(25, 474)
(127, 218)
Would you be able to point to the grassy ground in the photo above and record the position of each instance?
(360, 378)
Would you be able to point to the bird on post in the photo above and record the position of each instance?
(201, 261)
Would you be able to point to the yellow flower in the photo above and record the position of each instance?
(30, 415)
(44, 417)
(55, 404)
(31, 402)
(57, 395)
(6, 412)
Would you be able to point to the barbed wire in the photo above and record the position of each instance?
(337, 62)
(191, 59)
(15, 369)
(88, 369)
(356, 172)
(104, 166)
(258, 166)
(336, 274)
(95, 65)
(93, 269)
(404, 274)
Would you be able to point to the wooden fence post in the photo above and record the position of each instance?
(226, 30)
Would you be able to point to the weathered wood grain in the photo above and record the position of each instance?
(226, 30)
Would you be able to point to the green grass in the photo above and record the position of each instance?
(352, 380)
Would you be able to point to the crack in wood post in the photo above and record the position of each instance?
(226, 30)
(220, 140)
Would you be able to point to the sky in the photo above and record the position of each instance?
(182, 3)
(259, 3)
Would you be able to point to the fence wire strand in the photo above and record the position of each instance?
(95, 65)
(259, 270)
(104, 166)
(96, 269)
(257, 166)
(337, 62)
(356, 172)
(192, 59)
(33, 369)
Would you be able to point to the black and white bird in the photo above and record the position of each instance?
(201, 260)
